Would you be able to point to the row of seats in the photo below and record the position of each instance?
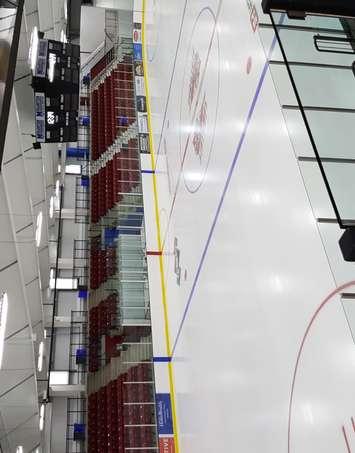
(118, 177)
(103, 265)
(101, 320)
(112, 107)
(117, 420)
(101, 65)
(102, 317)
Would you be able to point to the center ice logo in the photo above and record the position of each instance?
(199, 100)
(200, 129)
(199, 111)
(194, 77)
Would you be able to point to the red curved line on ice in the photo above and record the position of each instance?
(321, 306)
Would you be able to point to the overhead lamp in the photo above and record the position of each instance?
(40, 356)
(39, 228)
(57, 188)
(3, 319)
(32, 56)
(19, 449)
(41, 417)
(63, 36)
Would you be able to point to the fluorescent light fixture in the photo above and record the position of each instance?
(63, 36)
(40, 356)
(41, 417)
(3, 319)
(32, 56)
(57, 188)
(45, 333)
(59, 378)
(65, 10)
(51, 207)
(52, 59)
(59, 168)
(73, 169)
(39, 228)
(19, 449)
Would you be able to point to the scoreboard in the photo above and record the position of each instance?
(55, 81)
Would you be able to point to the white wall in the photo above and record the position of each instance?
(92, 30)
(62, 344)
(59, 425)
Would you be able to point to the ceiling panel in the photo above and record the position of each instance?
(18, 353)
(27, 435)
(45, 14)
(50, 160)
(27, 255)
(33, 293)
(11, 283)
(30, 6)
(44, 267)
(17, 415)
(15, 179)
(25, 105)
(8, 252)
(35, 173)
(13, 145)
(8, 378)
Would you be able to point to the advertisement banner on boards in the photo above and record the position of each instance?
(166, 445)
(144, 143)
(138, 68)
(137, 35)
(164, 414)
(140, 86)
(137, 52)
(141, 104)
(142, 123)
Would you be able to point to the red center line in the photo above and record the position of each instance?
(192, 121)
(346, 439)
(353, 423)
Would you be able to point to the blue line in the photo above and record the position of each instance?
(161, 359)
(148, 171)
(226, 186)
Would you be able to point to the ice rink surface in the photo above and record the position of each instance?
(263, 356)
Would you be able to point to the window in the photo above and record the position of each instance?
(73, 169)
(62, 283)
(59, 378)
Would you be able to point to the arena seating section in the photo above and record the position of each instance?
(121, 414)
